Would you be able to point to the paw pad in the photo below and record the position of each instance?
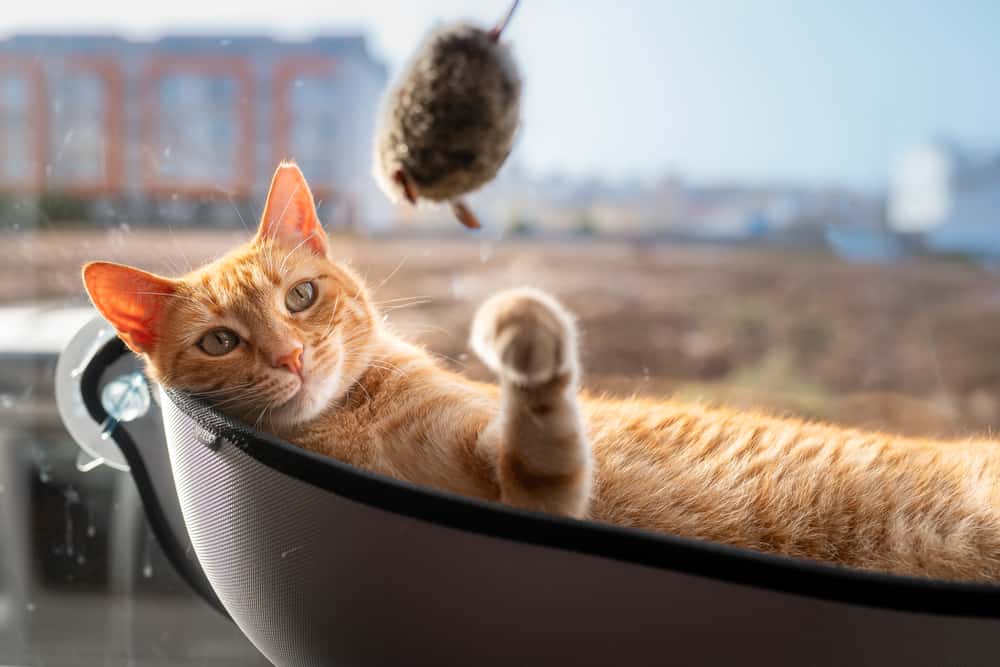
(525, 336)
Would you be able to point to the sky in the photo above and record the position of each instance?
(810, 92)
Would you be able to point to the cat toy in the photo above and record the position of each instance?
(448, 125)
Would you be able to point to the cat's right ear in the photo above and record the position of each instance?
(131, 300)
(290, 212)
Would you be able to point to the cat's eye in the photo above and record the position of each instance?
(219, 342)
(300, 297)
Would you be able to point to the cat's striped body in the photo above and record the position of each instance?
(279, 335)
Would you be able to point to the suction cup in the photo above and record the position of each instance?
(124, 398)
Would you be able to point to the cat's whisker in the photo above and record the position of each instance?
(173, 239)
(229, 197)
(395, 372)
(362, 330)
(281, 268)
(359, 383)
(457, 362)
(222, 391)
(168, 294)
(288, 203)
(257, 210)
(391, 274)
(246, 394)
(398, 299)
(347, 344)
(430, 328)
(237, 395)
(350, 340)
(247, 383)
(411, 304)
(385, 364)
(226, 404)
(267, 406)
(385, 311)
(174, 267)
(361, 286)
(268, 248)
(333, 317)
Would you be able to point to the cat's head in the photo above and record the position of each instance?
(272, 333)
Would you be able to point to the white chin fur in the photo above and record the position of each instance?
(311, 400)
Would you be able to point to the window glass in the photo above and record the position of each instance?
(791, 207)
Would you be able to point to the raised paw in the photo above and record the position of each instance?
(526, 337)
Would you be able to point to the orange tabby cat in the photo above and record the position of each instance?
(278, 334)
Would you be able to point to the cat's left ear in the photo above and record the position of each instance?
(133, 301)
(290, 214)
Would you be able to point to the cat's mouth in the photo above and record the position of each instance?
(289, 408)
(294, 395)
(299, 402)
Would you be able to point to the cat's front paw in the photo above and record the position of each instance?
(526, 337)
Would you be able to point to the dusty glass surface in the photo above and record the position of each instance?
(792, 207)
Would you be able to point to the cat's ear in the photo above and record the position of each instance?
(131, 300)
(290, 214)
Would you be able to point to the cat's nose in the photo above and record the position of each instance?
(291, 360)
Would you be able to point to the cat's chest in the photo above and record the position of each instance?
(343, 437)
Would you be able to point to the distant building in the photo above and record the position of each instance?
(151, 127)
(948, 197)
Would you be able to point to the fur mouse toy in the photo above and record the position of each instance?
(449, 123)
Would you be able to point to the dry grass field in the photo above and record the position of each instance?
(912, 347)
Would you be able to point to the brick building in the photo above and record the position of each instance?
(185, 126)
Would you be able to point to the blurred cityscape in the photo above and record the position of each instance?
(183, 129)
(186, 130)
